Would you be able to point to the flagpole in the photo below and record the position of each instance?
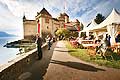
(64, 5)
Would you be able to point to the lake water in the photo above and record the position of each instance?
(7, 54)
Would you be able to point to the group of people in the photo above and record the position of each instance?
(39, 45)
(105, 42)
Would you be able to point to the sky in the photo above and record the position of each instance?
(12, 11)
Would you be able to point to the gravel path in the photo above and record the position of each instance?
(65, 67)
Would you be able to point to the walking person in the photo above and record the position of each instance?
(39, 44)
(48, 39)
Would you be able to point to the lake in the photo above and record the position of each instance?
(7, 54)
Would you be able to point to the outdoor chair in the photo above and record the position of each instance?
(118, 51)
(80, 46)
(106, 52)
(91, 52)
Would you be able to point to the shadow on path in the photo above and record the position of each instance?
(65, 50)
(39, 68)
(59, 47)
(76, 65)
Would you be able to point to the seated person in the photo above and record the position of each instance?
(91, 37)
(117, 38)
(97, 41)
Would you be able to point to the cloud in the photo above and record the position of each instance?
(104, 7)
(8, 21)
(85, 10)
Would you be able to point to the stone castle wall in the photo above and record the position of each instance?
(30, 28)
(18, 66)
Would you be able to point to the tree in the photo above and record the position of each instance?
(74, 34)
(62, 33)
(81, 26)
(99, 18)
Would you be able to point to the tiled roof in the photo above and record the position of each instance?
(24, 17)
(64, 14)
(55, 19)
(44, 11)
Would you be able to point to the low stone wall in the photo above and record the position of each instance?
(16, 67)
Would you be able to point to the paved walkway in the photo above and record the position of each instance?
(38, 69)
(65, 67)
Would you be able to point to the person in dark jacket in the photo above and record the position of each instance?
(39, 44)
(117, 38)
(107, 40)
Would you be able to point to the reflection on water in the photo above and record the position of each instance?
(7, 54)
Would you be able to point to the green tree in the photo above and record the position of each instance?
(81, 26)
(74, 34)
(99, 18)
(62, 33)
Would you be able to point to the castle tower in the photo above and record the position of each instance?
(63, 18)
(66, 17)
(45, 21)
(29, 28)
(24, 18)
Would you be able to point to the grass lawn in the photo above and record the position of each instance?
(82, 54)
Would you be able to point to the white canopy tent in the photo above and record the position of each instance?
(88, 28)
(111, 24)
(113, 18)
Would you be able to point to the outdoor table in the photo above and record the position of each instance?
(116, 46)
(91, 45)
(85, 41)
(91, 48)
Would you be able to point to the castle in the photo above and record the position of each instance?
(44, 23)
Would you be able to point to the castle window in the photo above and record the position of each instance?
(47, 27)
(46, 20)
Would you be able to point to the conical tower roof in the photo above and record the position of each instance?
(44, 11)
(64, 14)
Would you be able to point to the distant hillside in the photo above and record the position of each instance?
(4, 34)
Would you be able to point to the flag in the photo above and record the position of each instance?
(38, 27)
(64, 26)
(78, 28)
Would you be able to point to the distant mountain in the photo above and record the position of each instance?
(4, 34)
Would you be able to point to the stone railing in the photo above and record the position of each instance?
(14, 68)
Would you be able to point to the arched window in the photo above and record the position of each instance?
(47, 20)
(47, 27)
